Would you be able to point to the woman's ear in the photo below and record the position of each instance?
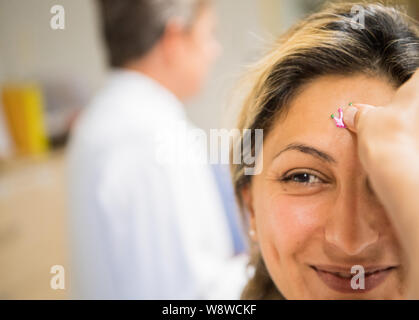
(248, 205)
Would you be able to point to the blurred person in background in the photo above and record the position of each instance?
(143, 228)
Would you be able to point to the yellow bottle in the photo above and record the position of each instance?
(24, 113)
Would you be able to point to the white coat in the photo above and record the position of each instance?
(142, 228)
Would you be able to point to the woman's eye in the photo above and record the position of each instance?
(303, 177)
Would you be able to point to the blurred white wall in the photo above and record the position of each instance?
(240, 33)
(32, 50)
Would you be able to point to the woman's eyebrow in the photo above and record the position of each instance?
(308, 150)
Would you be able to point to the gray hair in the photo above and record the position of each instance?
(182, 9)
(131, 27)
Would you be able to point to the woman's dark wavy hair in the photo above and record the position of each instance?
(330, 42)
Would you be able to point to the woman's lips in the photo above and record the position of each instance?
(339, 279)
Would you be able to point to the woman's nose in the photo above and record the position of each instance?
(351, 227)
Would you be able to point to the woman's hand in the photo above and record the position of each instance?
(388, 146)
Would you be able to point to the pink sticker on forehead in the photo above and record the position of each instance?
(339, 121)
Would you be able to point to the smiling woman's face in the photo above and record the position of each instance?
(312, 209)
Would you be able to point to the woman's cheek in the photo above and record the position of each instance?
(290, 221)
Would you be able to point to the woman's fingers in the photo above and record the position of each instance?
(388, 149)
(353, 115)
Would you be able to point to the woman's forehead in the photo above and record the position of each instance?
(308, 117)
(309, 113)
